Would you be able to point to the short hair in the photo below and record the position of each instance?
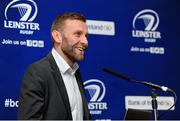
(59, 22)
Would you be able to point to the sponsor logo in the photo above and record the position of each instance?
(101, 27)
(26, 12)
(145, 24)
(145, 102)
(97, 91)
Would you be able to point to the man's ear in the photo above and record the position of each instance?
(56, 36)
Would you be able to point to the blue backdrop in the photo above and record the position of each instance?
(138, 38)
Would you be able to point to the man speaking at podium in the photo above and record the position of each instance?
(52, 88)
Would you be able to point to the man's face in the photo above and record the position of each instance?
(74, 40)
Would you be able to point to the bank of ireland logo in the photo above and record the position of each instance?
(20, 14)
(97, 91)
(145, 24)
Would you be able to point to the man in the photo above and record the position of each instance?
(52, 87)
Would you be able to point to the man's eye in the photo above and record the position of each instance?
(78, 34)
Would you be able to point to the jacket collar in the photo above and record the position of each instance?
(59, 81)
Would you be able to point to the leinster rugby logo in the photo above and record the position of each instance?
(96, 90)
(27, 11)
(150, 19)
(145, 24)
(20, 14)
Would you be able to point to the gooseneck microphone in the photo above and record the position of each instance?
(154, 86)
(163, 88)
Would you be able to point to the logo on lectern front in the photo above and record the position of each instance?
(97, 91)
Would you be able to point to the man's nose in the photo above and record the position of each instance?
(84, 41)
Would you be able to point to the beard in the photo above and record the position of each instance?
(72, 51)
(72, 54)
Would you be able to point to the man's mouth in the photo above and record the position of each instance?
(81, 48)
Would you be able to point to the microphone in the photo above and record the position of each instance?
(163, 88)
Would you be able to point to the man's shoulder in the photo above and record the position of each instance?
(39, 71)
(41, 64)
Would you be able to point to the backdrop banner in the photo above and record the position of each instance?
(139, 39)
